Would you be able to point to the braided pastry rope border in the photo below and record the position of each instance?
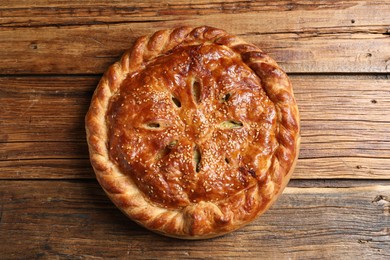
(203, 219)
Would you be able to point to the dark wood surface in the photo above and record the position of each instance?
(337, 54)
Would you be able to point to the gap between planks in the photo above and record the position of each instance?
(335, 183)
(97, 76)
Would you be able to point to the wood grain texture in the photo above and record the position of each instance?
(351, 107)
(70, 13)
(63, 39)
(52, 55)
(74, 220)
(307, 168)
(345, 121)
(48, 169)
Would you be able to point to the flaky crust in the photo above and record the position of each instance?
(204, 218)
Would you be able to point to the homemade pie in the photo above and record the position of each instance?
(194, 132)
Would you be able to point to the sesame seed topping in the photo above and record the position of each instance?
(148, 96)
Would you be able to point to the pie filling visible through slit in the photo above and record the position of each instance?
(185, 128)
(194, 132)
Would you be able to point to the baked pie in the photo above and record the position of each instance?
(194, 132)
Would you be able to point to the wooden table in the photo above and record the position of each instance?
(337, 54)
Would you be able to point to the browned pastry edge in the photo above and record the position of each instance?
(203, 219)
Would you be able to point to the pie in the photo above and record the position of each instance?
(194, 132)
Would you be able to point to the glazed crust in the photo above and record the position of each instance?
(186, 179)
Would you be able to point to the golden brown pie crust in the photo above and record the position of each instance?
(194, 132)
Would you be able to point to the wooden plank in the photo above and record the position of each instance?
(343, 98)
(43, 150)
(44, 108)
(68, 13)
(122, 7)
(345, 126)
(51, 168)
(307, 168)
(344, 108)
(342, 168)
(332, 183)
(57, 219)
(346, 37)
(66, 150)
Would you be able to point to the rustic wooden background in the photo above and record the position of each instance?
(337, 54)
